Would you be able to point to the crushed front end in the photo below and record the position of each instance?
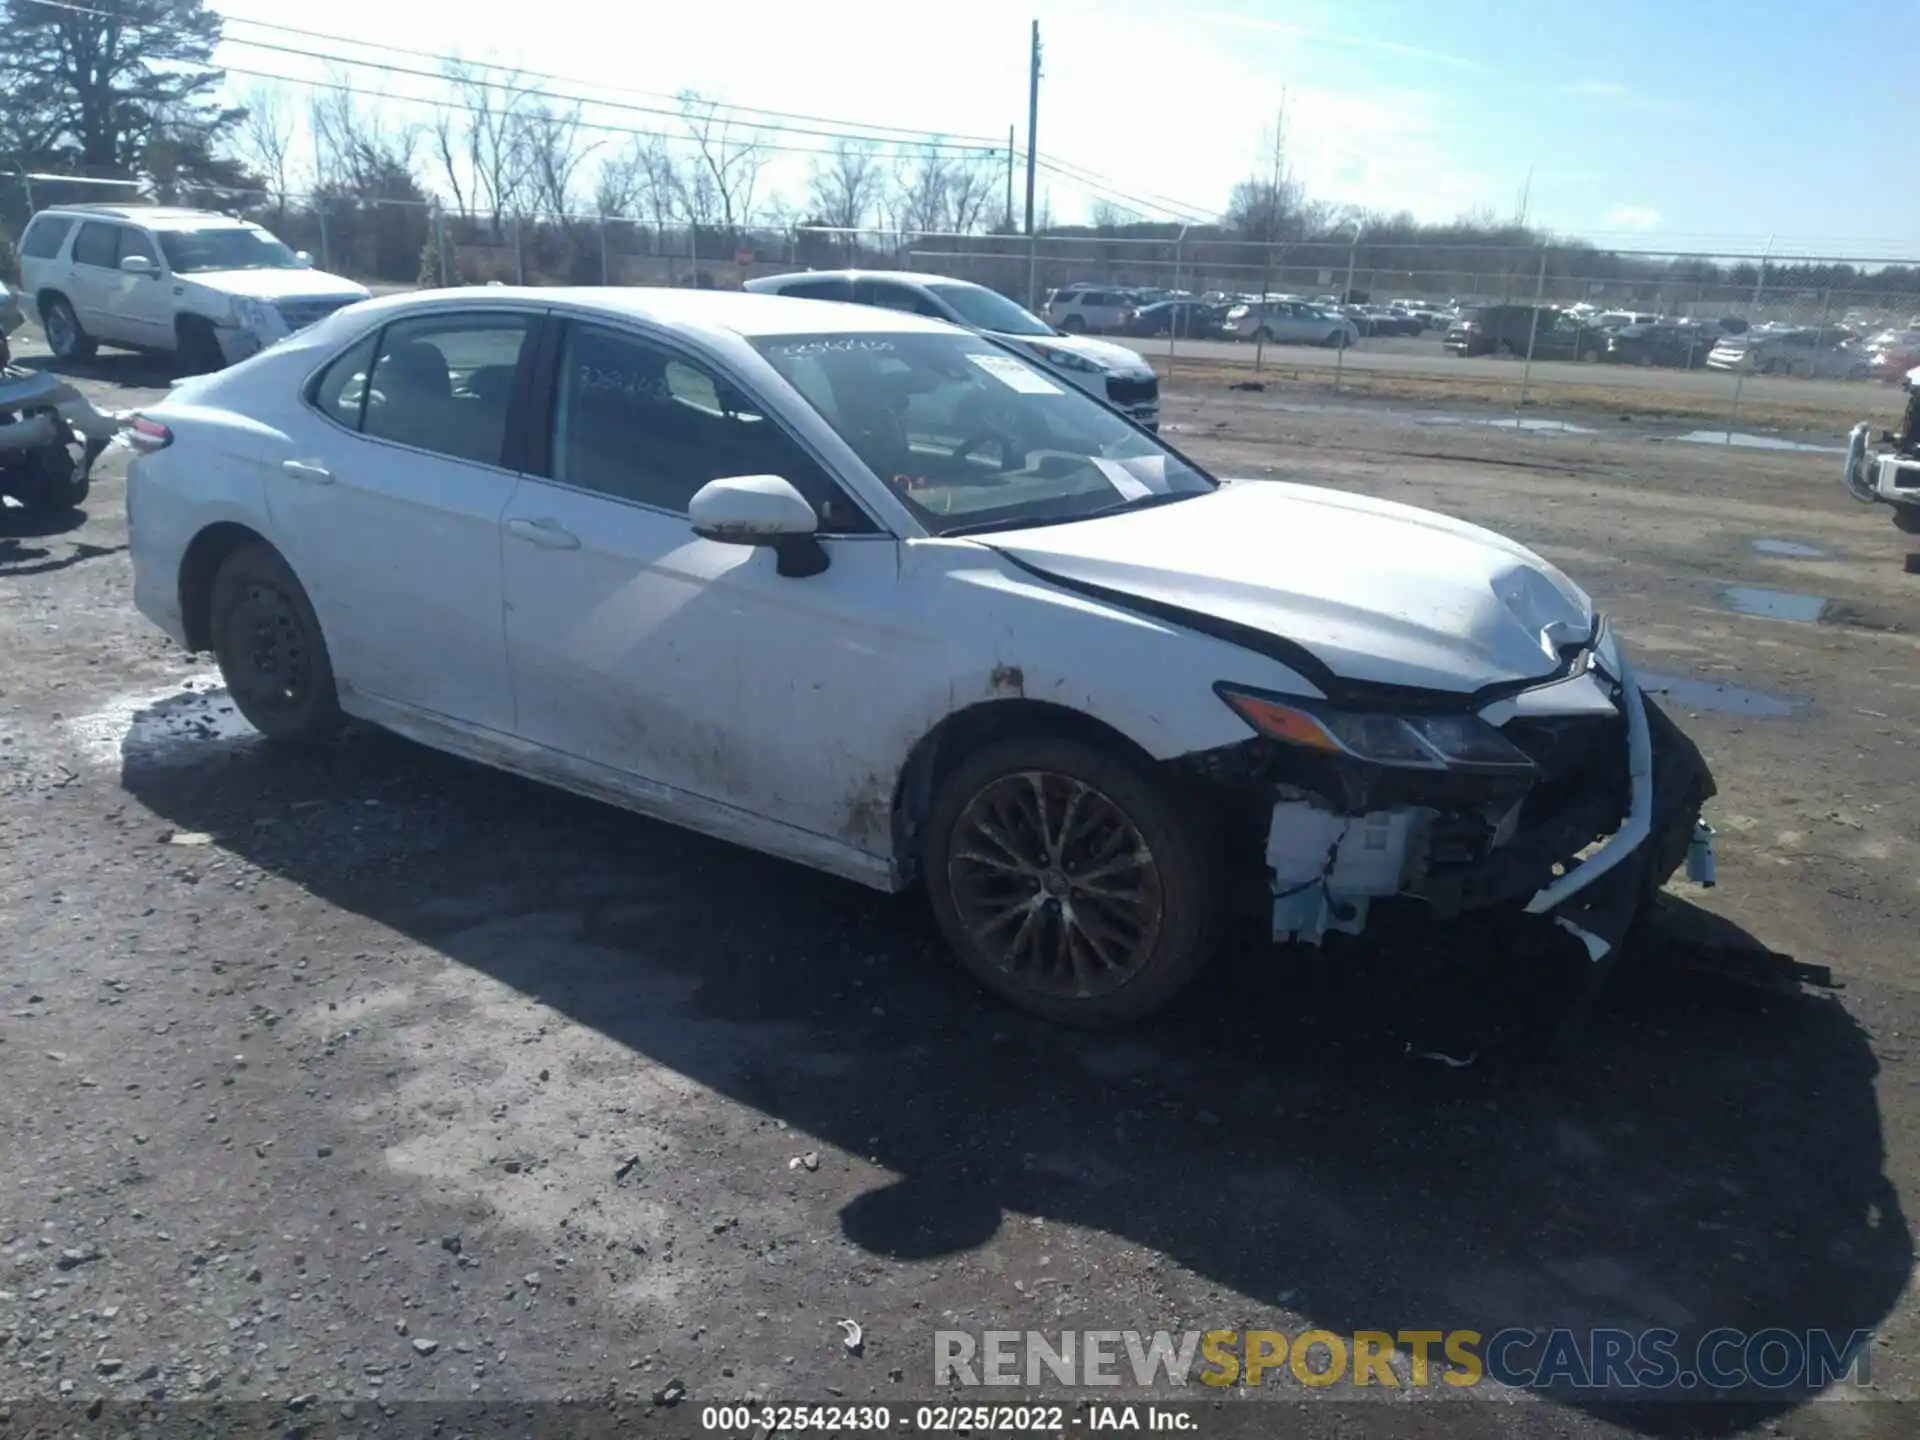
(1572, 799)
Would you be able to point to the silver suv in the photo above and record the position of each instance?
(1092, 309)
(1283, 320)
(211, 288)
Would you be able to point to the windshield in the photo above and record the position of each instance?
(972, 438)
(990, 310)
(236, 247)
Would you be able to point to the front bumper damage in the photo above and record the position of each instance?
(1614, 810)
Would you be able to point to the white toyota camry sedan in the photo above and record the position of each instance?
(879, 596)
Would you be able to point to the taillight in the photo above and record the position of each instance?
(147, 436)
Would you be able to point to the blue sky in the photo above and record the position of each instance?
(1689, 123)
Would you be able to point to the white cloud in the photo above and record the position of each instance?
(1633, 217)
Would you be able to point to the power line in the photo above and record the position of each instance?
(881, 135)
(341, 87)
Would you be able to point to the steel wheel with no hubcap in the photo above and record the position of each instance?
(268, 656)
(1054, 881)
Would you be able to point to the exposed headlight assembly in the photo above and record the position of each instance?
(1408, 742)
(1067, 360)
(256, 317)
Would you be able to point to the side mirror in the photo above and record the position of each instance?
(761, 510)
(303, 259)
(137, 265)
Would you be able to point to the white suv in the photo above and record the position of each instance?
(209, 287)
(1091, 309)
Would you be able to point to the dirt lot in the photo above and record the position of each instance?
(375, 1077)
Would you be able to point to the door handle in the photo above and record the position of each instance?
(544, 532)
(305, 470)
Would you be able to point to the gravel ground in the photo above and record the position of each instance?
(338, 1083)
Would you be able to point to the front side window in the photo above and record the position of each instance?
(225, 247)
(445, 382)
(636, 422)
(137, 242)
(45, 236)
(970, 437)
(97, 245)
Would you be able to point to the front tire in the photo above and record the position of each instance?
(271, 652)
(49, 481)
(1069, 883)
(199, 347)
(64, 336)
(1263, 336)
(1074, 325)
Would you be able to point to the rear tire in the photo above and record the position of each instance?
(1074, 325)
(65, 337)
(271, 652)
(1263, 336)
(1337, 340)
(1069, 883)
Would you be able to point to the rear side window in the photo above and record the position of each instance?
(444, 383)
(341, 393)
(45, 236)
(97, 244)
(895, 297)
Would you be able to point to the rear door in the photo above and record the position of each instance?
(386, 496)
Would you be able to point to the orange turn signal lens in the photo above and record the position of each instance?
(1282, 722)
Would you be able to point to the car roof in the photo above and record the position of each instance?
(916, 279)
(735, 312)
(171, 217)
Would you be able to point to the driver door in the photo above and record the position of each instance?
(640, 648)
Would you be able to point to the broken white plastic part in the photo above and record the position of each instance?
(1639, 822)
(1596, 947)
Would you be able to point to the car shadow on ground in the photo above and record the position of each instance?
(1709, 1156)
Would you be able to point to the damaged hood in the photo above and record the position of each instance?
(272, 284)
(1376, 591)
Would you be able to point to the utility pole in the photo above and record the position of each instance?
(1273, 230)
(1033, 155)
(1009, 179)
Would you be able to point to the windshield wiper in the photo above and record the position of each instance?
(1144, 502)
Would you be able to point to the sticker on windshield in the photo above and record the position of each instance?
(1015, 375)
(1135, 479)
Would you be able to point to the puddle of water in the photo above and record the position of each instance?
(1775, 604)
(1755, 442)
(1791, 549)
(162, 727)
(1547, 427)
(1720, 698)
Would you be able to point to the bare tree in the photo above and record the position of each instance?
(845, 190)
(922, 189)
(265, 143)
(482, 148)
(730, 156)
(1106, 215)
(970, 192)
(550, 155)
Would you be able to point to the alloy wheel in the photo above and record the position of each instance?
(1055, 884)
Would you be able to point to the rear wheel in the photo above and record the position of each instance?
(271, 652)
(1337, 340)
(1074, 325)
(1069, 883)
(64, 336)
(1263, 336)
